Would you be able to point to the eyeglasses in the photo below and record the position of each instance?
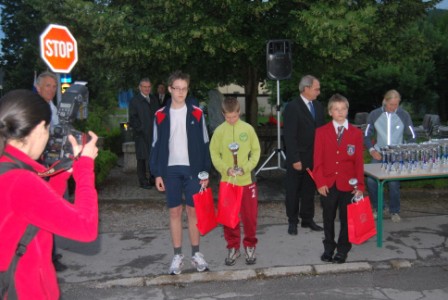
(180, 90)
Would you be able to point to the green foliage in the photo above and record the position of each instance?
(357, 48)
(104, 162)
(99, 121)
(113, 141)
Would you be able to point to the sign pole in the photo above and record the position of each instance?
(59, 90)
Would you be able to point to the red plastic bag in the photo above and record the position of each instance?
(205, 211)
(361, 225)
(229, 204)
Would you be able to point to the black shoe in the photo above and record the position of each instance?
(339, 258)
(327, 257)
(292, 229)
(311, 225)
(58, 266)
(146, 186)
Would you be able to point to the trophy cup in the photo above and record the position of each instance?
(354, 183)
(203, 176)
(234, 148)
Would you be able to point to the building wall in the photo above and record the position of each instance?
(264, 108)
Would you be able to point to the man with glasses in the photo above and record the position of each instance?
(142, 108)
(180, 151)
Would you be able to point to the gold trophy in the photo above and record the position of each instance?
(234, 148)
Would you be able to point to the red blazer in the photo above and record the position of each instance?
(27, 199)
(335, 163)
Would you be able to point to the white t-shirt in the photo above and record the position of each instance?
(178, 144)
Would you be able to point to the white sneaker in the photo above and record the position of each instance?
(176, 264)
(199, 262)
(395, 218)
(250, 255)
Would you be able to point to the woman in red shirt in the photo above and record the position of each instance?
(28, 199)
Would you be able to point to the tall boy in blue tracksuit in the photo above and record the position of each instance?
(180, 150)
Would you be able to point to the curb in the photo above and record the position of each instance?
(263, 273)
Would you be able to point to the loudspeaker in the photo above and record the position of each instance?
(278, 59)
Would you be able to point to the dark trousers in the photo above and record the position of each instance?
(336, 200)
(141, 171)
(300, 191)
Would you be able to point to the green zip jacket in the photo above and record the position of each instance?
(248, 152)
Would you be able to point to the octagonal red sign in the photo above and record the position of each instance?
(58, 48)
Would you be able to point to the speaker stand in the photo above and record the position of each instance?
(279, 151)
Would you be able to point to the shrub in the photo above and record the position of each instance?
(104, 163)
(113, 141)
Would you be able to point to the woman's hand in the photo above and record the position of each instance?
(90, 149)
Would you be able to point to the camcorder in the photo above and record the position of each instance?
(58, 154)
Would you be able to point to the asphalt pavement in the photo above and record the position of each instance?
(142, 258)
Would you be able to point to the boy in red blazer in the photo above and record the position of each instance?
(338, 157)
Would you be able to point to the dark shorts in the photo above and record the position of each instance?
(179, 182)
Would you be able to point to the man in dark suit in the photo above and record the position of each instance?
(142, 108)
(301, 117)
(162, 95)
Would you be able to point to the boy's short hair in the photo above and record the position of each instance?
(230, 105)
(176, 75)
(337, 98)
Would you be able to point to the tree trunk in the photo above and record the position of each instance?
(251, 93)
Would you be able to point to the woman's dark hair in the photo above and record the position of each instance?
(20, 112)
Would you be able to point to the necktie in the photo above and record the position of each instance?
(311, 106)
(340, 131)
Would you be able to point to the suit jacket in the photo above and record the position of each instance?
(164, 99)
(141, 119)
(299, 129)
(338, 163)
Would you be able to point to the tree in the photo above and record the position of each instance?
(20, 24)
(354, 47)
(436, 32)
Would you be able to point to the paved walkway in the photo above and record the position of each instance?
(138, 258)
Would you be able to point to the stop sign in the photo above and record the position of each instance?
(58, 48)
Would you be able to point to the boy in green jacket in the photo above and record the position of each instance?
(235, 152)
